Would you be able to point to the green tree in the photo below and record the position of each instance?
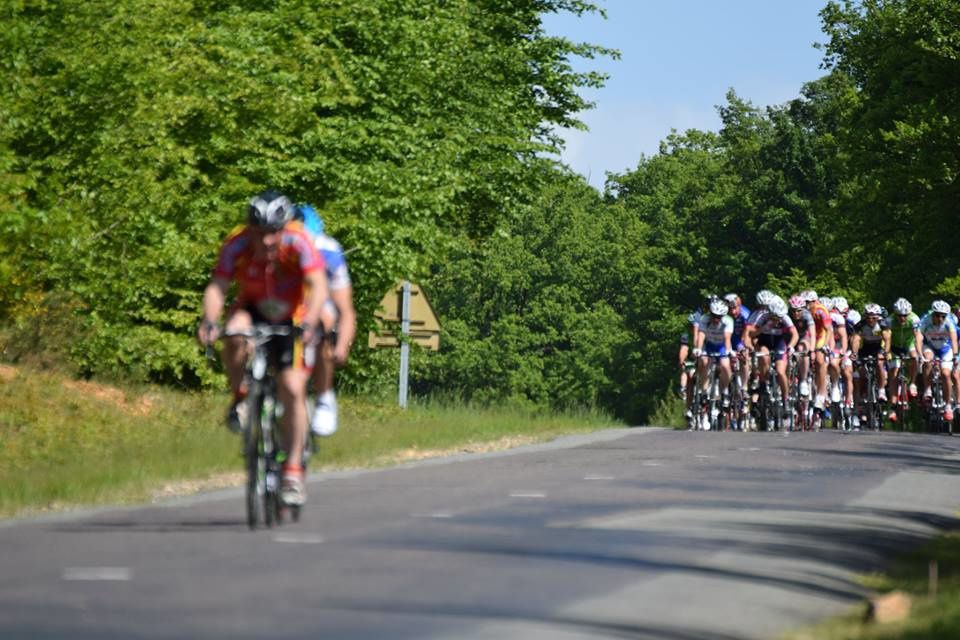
(133, 150)
(900, 191)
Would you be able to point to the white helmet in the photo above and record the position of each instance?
(827, 303)
(718, 308)
(809, 295)
(872, 309)
(902, 306)
(765, 297)
(939, 306)
(731, 298)
(779, 307)
(840, 304)
(853, 316)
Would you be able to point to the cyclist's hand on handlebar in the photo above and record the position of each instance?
(208, 332)
(309, 333)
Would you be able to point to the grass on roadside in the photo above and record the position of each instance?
(65, 443)
(931, 618)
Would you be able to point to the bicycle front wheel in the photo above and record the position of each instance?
(255, 462)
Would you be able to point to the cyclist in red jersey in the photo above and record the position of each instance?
(280, 277)
(823, 340)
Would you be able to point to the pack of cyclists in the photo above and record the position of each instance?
(826, 346)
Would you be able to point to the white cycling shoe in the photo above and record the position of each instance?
(324, 421)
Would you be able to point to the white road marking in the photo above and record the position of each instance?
(110, 574)
(598, 477)
(440, 515)
(299, 538)
(527, 494)
(705, 456)
(650, 463)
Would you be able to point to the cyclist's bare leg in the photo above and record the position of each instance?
(291, 391)
(820, 373)
(236, 349)
(927, 368)
(763, 364)
(947, 374)
(725, 374)
(847, 369)
(782, 379)
(895, 363)
(802, 365)
(744, 356)
(702, 362)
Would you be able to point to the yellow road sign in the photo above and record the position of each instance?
(424, 325)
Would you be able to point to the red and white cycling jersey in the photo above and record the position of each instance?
(273, 287)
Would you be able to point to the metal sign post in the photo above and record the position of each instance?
(404, 345)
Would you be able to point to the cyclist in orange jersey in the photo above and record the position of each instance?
(280, 278)
(823, 339)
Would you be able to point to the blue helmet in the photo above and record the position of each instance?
(310, 218)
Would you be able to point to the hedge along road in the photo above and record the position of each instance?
(631, 533)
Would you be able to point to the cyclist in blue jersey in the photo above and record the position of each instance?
(713, 339)
(338, 314)
(740, 315)
(939, 335)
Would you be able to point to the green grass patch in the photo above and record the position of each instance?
(931, 618)
(65, 443)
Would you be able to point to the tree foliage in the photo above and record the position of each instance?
(126, 156)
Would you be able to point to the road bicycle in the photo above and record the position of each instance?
(936, 405)
(871, 408)
(803, 417)
(708, 411)
(262, 446)
(738, 413)
(769, 409)
(841, 414)
(900, 399)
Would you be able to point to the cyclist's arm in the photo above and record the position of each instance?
(698, 341)
(346, 325)
(808, 338)
(728, 341)
(748, 333)
(794, 337)
(855, 344)
(953, 340)
(886, 340)
(918, 339)
(844, 340)
(315, 285)
(214, 297)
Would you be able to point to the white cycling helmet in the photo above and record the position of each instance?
(853, 316)
(765, 297)
(809, 295)
(872, 309)
(840, 304)
(902, 306)
(718, 308)
(731, 298)
(827, 303)
(939, 306)
(779, 307)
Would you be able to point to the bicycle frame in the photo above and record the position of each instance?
(262, 451)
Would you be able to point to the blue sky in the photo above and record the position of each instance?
(678, 59)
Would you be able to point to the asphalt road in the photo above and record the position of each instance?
(631, 533)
